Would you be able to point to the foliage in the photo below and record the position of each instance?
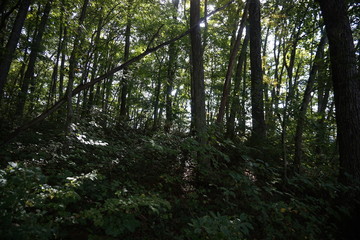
(216, 226)
(147, 187)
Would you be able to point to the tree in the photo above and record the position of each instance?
(73, 61)
(257, 102)
(305, 103)
(346, 83)
(35, 49)
(7, 55)
(171, 72)
(235, 103)
(125, 84)
(231, 64)
(197, 72)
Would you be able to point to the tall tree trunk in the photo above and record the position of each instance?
(235, 103)
(54, 75)
(124, 81)
(257, 101)
(72, 66)
(268, 107)
(198, 85)
(324, 88)
(232, 59)
(305, 102)
(244, 94)
(62, 65)
(90, 100)
(7, 55)
(157, 97)
(346, 82)
(290, 91)
(35, 49)
(124, 89)
(171, 73)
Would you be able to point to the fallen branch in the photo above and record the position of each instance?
(87, 85)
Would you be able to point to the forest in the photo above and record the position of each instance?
(180, 119)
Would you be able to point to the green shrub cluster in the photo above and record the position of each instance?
(125, 184)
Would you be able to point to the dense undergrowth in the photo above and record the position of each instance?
(121, 183)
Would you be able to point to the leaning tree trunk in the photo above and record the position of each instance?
(5, 14)
(346, 82)
(6, 58)
(232, 59)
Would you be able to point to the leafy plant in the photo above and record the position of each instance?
(217, 226)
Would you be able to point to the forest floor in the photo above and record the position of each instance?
(121, 183)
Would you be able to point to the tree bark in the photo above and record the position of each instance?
(346, 83)
(5, 15)
(198, 82)
(257, 101)
(6, 57)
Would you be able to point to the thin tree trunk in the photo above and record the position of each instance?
(35, 49)
(171, 73)
(305, 102)
(172, 65)
(323, 99)
(62, 65)
(232, 59)
(90, 100)
(289, 96)
(54, 76)
(268, 106)
(124, 81)
(72, 66)
(244, 95)
(235, 103)
(157, 98)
